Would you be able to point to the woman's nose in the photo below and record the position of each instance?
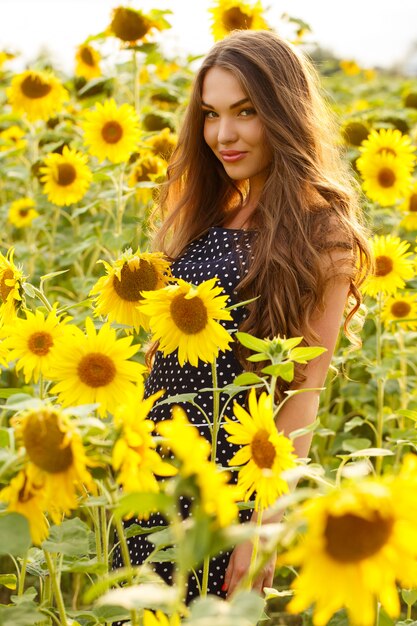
(226, 131)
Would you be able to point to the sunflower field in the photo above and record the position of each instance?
(82, 298)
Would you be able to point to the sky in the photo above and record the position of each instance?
(373, 32)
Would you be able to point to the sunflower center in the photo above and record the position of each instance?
(23, 212)
(34, 87)
(87, 56)
(412, 203)
(400, 309)
(96, 370)
(235, 19)
(350, 538)
(383, 265)
(262, 450)
(128, 25)
(65, 174)
(132, 282)
(5, 289)
(190, 315)
(40, 343)
(112, 132)
(386, 177)
(46, 443)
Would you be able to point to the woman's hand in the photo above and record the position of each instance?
(238, 568)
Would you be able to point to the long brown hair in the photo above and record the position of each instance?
(308, 206)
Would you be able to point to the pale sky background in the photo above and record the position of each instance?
(373, 32)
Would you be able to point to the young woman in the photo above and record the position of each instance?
(257, 195)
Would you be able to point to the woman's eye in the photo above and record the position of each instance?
(209, 114)
(247, 112)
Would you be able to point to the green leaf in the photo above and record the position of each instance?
(409, 596)
(303, 355)
(256, 358)
(134, 530)
(80, 566)
(181, 397)
(26, 614)
(247, 378)
(303, 431)
(70, 538)
(412, 415)
(51, 275)
(8, 580)
(371, 452)
(282, 370)
(357, 444)
(29, 290)
(4, 438)
(14, 535)
(253, 343)
(142, 503)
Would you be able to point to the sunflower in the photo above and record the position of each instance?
(389, 141)
(386, 178)
(111, 132)
(183, 316)
(158, 618)
(401, 309)
(147, 169)
(349, 67)
(65, 177)
(134, 456)
(57, 463)
(360, 540)
(119, 292)
(265, 453)
(392, 265)
(94, 368)
(87, 62)
(11, 291)
(409, 208)
(163, 143)
(217, 497)
(131, 25)
(31, 342)
(12, 139)
(230, 15)
(30, 501)
(354, 132)
(39, 94)
(22, 212)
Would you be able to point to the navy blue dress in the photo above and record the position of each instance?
(225, 253)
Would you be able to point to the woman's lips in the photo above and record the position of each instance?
(230, 156)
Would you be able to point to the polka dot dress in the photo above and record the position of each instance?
(221, 252)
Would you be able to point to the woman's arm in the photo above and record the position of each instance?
(298, 412)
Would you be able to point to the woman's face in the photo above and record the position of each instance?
(233, 130)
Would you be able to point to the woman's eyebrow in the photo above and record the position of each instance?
(232, 106)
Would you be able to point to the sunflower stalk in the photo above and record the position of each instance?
(22, 575)
(255, 550)
(380, 382)
(56, 589)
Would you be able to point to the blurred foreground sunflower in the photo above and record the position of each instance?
(393, 265)
(230, 15)
(87, 62)
(11, 291)
(39, 94)
(265, 453)
(95, 368)
(386, 178)
(65, 177)
(183, 317)
(22, 212)
(57, 463)
(158, 618)
(111, 131)
(119, 292)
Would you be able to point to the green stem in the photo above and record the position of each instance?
(97, 533)
(124, 548)
(57, 591)
(136, 81)
(380, 383)
(103, 525)
(255, 550)
(22, 576)
(402, 381)
(204, 582)
(216, 412)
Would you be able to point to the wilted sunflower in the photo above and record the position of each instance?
(265, 453)
(401, 309)
(39, 94)
(95, 368)
(12, 139)
(163, 143)
(131, 25)
(56, 456)
(11, 280)
(393, 265)
(160, 619)
(30, 501)
(22, 212)
(87, 62)
(135, 459)
(31, 342)
(65, 177)
(119, 292)
(386, 178)
(230, 15)
(183, 317)
(409, 208)
(360, 540)
(389, 141)
(111, 132)
(147, 169)
(216, 496)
